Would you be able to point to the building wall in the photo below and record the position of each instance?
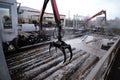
(8, 1)
(9, 33)
(28, 16)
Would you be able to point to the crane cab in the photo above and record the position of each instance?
(8, 20)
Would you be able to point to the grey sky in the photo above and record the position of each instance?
(80, 7)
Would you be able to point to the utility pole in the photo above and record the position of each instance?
(4, 73)
(68, 18)
(74, 21)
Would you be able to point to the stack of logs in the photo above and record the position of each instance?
(39, 64)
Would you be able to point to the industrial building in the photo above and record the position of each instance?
(27, 15)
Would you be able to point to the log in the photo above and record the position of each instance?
(69, 69)
(29, 61)
(91, 61)
(45, 61)
(38, 70)
(55, 68)
(28, 57)
(21, 55)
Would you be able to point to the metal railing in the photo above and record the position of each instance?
(102, 68)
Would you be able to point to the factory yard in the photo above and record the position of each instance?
(38, 64)
(38, 45)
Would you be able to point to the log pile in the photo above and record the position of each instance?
(39, 64)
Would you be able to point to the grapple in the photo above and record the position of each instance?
(60, 44)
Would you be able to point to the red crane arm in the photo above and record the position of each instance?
(60, 44)
(42, 12)
(55, 11)
(99, 13)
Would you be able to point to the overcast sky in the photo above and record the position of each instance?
(80, 7)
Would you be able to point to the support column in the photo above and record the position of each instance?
(4, 73)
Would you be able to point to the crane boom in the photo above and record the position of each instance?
(97, 14)
(60, 44)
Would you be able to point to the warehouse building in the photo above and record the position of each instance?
(27, 15)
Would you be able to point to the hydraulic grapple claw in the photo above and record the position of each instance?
(50, 48)
(63, 51)
(62, 46)
(70, 50)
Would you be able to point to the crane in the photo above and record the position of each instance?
(97, 14)
(60, 44)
